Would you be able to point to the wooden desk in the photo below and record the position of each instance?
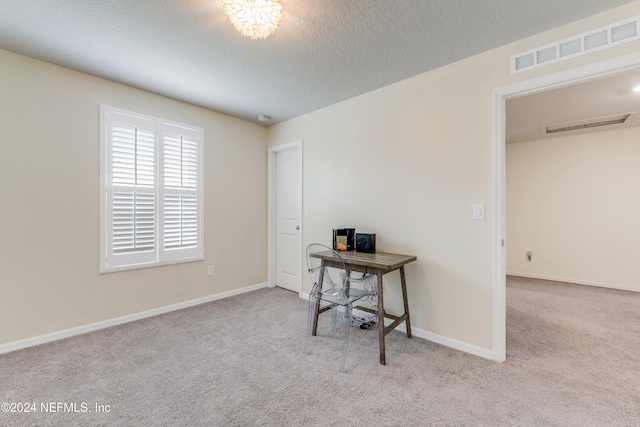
(379, 264)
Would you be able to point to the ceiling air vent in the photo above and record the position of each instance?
(595, 40)
(525, 61)
(624, 31)
(569, 48)
(586, 124)
(544, 55)
(591, 41)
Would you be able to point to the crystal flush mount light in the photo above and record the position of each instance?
(254, 18)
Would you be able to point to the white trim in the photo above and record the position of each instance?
(102, 155)
(271, 208)
(498, 224)
(439, 339)
(436, 338)
(574, 281)
(500, 95)
(109, 260)
(66, 333)
(485, 353)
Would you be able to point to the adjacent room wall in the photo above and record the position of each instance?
(407, 162)
(49, 203)
(573, 201)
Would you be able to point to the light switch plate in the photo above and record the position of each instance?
(307, 211)
(478, 211)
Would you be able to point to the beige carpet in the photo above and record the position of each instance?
(573, 360)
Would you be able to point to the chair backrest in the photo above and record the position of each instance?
(332, 278)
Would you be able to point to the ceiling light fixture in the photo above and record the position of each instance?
(254, 18)
(636, 89)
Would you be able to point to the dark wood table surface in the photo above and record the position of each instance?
(378, 263)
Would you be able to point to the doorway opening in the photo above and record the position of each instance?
(500, 96)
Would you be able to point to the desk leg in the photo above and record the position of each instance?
(406, 301)
(381, 319)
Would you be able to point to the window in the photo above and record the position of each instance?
(151, 203)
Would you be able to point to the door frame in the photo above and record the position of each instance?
(500, 95)
(271, 208)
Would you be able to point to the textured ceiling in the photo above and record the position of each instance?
(324, 51)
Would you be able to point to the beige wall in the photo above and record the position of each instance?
(573, 201)
(49, 203)
(408, 161)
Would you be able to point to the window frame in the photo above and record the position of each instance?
(159, 255)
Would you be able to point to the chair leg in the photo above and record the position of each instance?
(347, 334)
(310, 321)
(334, 318)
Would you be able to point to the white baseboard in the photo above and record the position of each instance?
(436, 338)
(576, 281)
(54, 336)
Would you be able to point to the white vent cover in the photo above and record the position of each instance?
(591, 41)
(586, 123)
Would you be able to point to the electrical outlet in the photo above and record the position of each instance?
(529, 256)
(210, 270)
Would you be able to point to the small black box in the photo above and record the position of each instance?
(366, 243)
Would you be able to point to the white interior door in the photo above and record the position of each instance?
(288, 183)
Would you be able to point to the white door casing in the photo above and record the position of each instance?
(500, 95)
(285, 219)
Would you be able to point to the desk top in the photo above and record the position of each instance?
(381, 260)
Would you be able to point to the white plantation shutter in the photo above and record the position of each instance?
(133, 156)
(152, 202)
(180, 162)
(180, 221)
(133, 222)
(133, 166)
(180, 172)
